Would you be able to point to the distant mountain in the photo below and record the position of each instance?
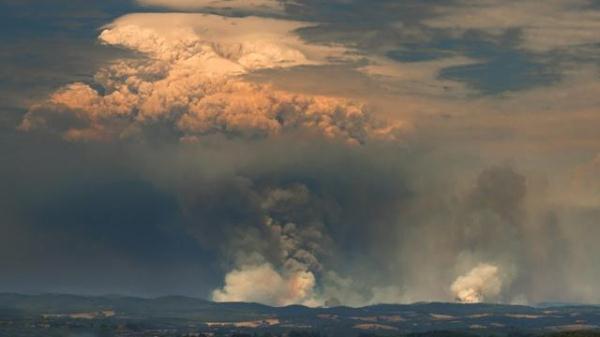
(163, 307)
(383, 319)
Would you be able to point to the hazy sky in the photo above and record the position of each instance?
(312, 152)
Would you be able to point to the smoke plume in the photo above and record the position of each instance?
(283, 271)
(262, 283)
(481, 284)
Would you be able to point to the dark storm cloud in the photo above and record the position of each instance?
(48, 44)
(374, 26)
(499, 67)
(78, 219)
(123, 216)
(358, 12)
(400, 30)
(26, 18)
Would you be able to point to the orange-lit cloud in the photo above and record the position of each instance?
(191, 78)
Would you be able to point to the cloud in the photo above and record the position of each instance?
(420, 78)
(253, 6)
(548, 25)
(250, 42)
(191, 81)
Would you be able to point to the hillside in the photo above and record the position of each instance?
(173, 312)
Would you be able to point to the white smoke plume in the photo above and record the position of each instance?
(262, 283)
(190, 81)
(480, 284)
(286, 260)
(289, 278)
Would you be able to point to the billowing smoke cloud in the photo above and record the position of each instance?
(481, 284)
(295, 237)
(262, 283)
(493, 223)
(190, 83)
(295, 221)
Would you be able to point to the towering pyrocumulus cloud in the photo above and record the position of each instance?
(191, 82)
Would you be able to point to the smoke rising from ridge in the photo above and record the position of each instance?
(480, 284)
(263, 284)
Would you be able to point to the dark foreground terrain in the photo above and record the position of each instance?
(109, 316)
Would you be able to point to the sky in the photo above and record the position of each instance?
(342, 152)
